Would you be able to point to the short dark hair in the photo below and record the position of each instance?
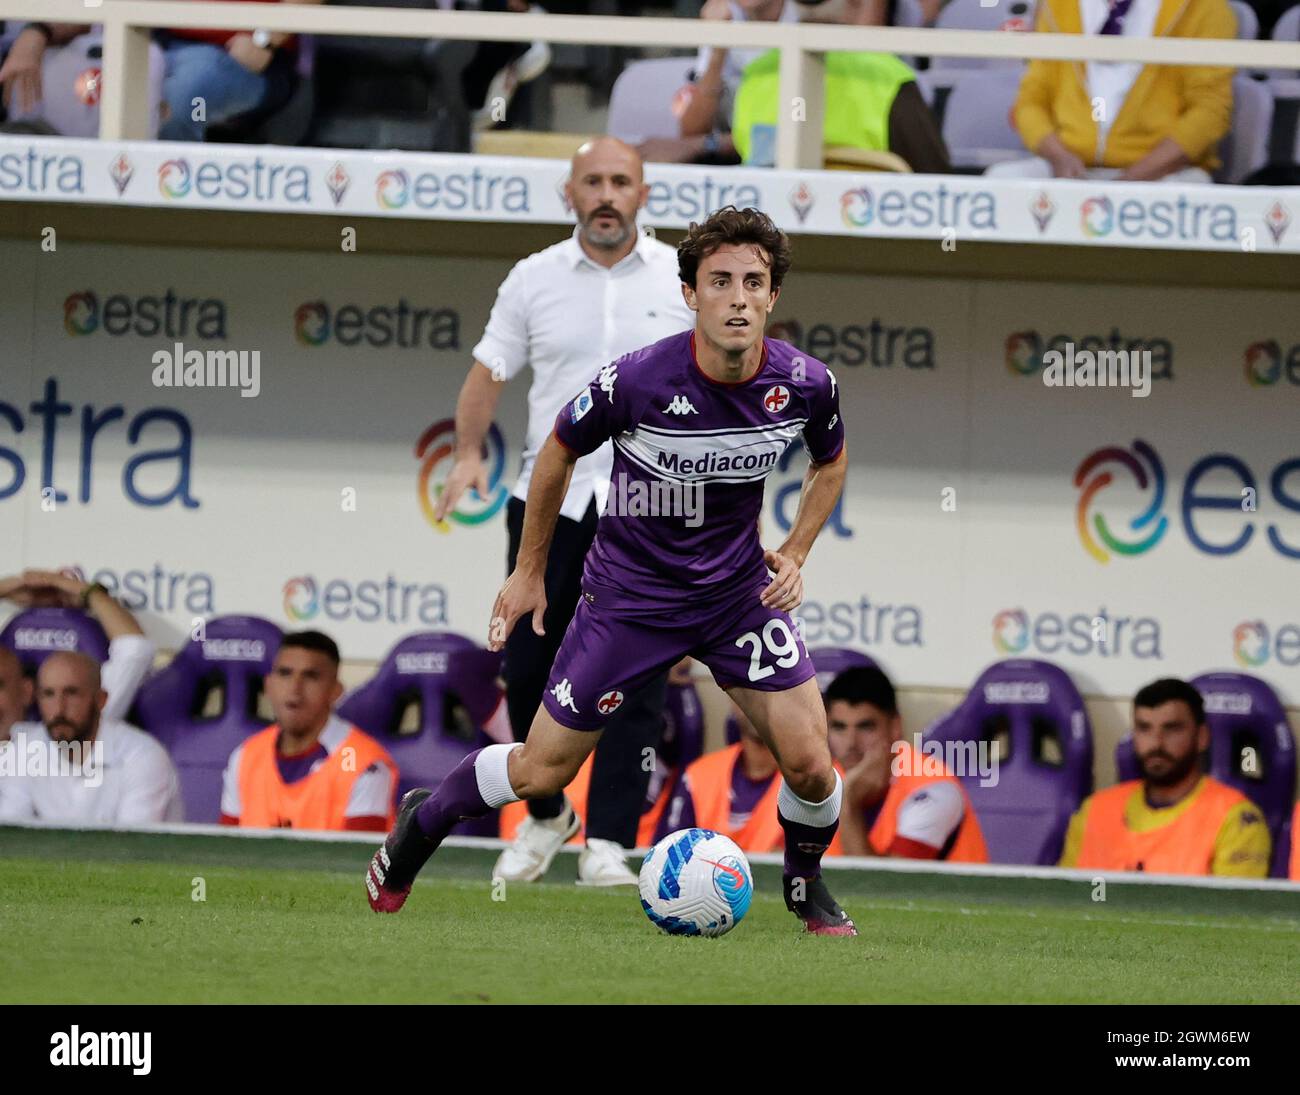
(312, 640)
(863, 684)
(1171, 688)
(730, 225)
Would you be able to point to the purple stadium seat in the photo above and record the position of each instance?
(36, 633)
(681, 742)
(1243, 713)
(205, 702)
(1045, 769)
(451, 683)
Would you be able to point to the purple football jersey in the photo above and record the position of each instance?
(690, 457)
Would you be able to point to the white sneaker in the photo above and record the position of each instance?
(536, 844)
(604, 863)
(505, 83)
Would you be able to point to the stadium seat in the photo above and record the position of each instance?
(36, 633)
(427, 704)
(206, 701)
(1247, 20)
(1248, 729)
(641, 104)
(831, 661)
(973, 109)
(683, 736)
(909, 13)
(1034, 713)
(1245, 148)
(1017, 15)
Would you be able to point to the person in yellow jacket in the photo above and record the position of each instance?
(310, 769)
(1127, 121)
(1175, 819)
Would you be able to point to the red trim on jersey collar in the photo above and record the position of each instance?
(729, 383)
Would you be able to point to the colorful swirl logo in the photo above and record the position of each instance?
(1011, 631)
(1149, 517)
(1022, 353)
(436, 445)
(300, 599)
(392, 188)
(174, 179)
(1250, 643)
(1098, 217)
(311, 323)
(81, 313)
(1263, 363)
(857, 207)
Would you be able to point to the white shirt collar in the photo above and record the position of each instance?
(577, 256)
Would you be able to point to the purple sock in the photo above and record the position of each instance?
(457, 797)
(804, 845)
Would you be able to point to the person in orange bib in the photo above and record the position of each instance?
(1175, 819)
(896, 801)
(310, 769)
(731, 791)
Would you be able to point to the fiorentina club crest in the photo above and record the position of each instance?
(1277, 220)
(801, 201)
(121, 172)
(776, 398)
(87, 86)
(1043, 210)
(337, 181)
(610, 702)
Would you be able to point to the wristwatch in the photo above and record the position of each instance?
(262, 38)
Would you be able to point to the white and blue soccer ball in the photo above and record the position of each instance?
(696, 882)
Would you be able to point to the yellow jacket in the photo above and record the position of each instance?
(1191, 104)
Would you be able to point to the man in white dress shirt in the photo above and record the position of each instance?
(78, 766)
(566, 312)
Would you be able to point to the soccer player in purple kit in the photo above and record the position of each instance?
(710, 410)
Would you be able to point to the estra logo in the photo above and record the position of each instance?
(936, 206)
(1267, 362)
(387, 600)
(1203, 490)
(877, 343)
(1024, 350)
(434, 450)
(401, 326)
(147, 316)
(1254, 643)
(475, 191)
(1018, 631)
(254, 180)
(1158, 218)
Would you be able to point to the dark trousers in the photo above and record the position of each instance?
(620, 774)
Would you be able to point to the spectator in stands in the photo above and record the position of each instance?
(130, 653)
(706, 102)
(893, 805)
(310, 769)
(498, 69)
(215, 75)
(82, 766)
(872, 103)
(731, 791)
(1128, 121)
(1175, 819)
(21, 74)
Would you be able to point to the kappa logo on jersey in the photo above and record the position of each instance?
(608, 374)
(563, 693)
(831, 424)
(776, 398)
(831, 377)
(680, 405)
(581, 406)
(610, 702)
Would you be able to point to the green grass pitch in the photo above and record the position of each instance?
(106, 918)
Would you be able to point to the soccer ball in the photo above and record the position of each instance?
(696, 882)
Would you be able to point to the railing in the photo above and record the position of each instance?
(124, 108)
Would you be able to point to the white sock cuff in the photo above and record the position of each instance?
(493, 775)
(817, 814)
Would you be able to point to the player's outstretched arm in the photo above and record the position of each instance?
(822, 485)
(475, 407)
(525, 589)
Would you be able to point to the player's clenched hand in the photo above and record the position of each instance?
(786, 588)
(524, 591)
(468, 471)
